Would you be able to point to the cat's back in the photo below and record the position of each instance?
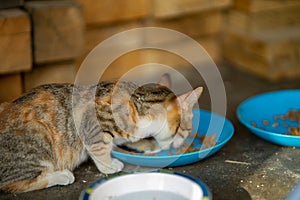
(44, 93)
(41, 103)
(115, 88)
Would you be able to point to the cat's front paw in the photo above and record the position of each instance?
(180, 138)
(114, 167)
(117, 165)
(64, 177)
(178, 142)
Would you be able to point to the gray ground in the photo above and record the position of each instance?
(262, 171)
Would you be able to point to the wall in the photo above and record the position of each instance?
(46, 41)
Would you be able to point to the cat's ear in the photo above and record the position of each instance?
(187, 100)
(165, 80)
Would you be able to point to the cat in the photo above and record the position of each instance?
(52, 129)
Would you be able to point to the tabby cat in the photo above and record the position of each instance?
(50, 130)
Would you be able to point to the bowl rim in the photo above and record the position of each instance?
(85, 194)
(249, 126)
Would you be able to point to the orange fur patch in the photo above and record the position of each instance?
(133, 112)
(27, 185)
(105, 101)
(173, 115)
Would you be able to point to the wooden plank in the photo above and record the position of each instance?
(111, 11)
(268, 45)
(58, 32)
(10, 87)
(175, 8)
(251, 6)
(207, 23)
(210, 44)
(257, 66)
(275, 56)
(95, 35)
(129, 61)
(123, 65)
(63, 72)
(14, 21)
(265, 21)
(130, 64)
(11, 3)
(15, 41)
(202, 24)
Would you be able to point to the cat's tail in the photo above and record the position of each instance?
(3, 106)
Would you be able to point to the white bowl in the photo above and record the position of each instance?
(147, 186)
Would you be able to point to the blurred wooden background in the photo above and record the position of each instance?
(46, 41)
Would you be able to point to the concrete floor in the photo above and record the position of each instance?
(266, 171)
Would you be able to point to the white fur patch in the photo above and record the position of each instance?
(83, 157)
(64, 177)
(158, 129)
(147, 128)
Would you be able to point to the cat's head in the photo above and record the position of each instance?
(163, 115)
(186, 103)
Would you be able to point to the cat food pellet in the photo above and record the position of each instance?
(292, 115)
(180, 151)
(152, 154)
(186, 147)
(275, 124)
(266, 122)
(294, 131)
(209, 141)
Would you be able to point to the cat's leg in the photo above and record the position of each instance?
(45, 180)
(64, 177)
(101, 155)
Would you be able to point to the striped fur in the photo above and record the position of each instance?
(49, 131)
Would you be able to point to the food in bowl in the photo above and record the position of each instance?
(294, 131)
(205, 141)
(290, 121)
(292, 115)
(194, 143)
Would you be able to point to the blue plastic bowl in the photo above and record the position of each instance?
(205, 123)
(259, 113)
